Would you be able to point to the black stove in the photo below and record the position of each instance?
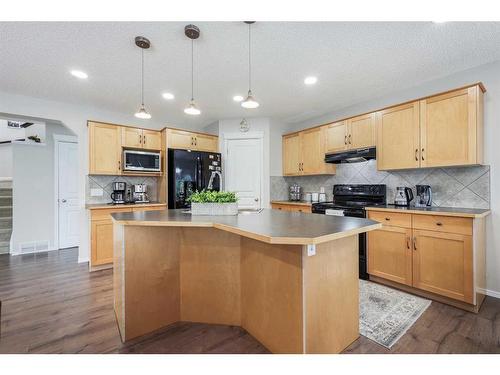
(351, 200)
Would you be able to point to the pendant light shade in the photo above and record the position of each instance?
(143, 43)
(249, 102)
(192, 109)
(192, 32)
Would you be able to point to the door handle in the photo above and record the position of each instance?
(196, 141)
(350, 136)
(416, 154)
(119, 165)
(140, 139)
(415, 243)
(408, 242)
(423, 154)
(144, 139)
(345, 139)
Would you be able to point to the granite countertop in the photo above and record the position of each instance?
(270, 226)
(297, 203)
(443, 211)
(101, 206)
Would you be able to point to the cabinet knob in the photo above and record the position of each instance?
(439, 223)
(387, 218)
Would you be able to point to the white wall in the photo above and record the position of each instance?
(5, 160)
(489, 74)
(33, 189)
(256, 124)
(75, 118)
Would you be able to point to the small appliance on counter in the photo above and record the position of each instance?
(404, 195)
(322, 195)
(118, 194)
(424, 196)
(140, 193)
(294, 192)
(307, 197)
(314, 197)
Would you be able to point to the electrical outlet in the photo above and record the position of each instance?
(96, 192)
(311, 250)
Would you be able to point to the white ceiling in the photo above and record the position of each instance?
(353, 62)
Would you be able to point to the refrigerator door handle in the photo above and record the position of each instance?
(199, 174)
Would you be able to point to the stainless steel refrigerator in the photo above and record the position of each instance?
(190, 171)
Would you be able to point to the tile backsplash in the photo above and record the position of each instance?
(466, 187)
(105, 183)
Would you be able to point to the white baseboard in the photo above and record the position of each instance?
(489, 292)
(34, 252)
(83, 260)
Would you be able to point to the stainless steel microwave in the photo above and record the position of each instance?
(142, 161)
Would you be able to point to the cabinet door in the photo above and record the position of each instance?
(180, 139)
(390, 254)
(312, 144)
(448, 128)
(104, 149)
(151, 140)
(442, 264)
(206, 143)
(336, 137)
(102, 242)
(398, 140)
(131, 137)
(291, 155)
(361, 131)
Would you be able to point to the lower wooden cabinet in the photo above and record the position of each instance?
(390, 254)
(284, 206)
(442, 264)
(438, 259)
(101, 233)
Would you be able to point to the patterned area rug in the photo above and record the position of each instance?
(385, 314)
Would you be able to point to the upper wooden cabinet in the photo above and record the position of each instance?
(353, 133)
(182, 139)
(361, 131)
(442, 130)
(398, 139)
(304, 153)
(141, 138)
(451, 128)
(104, 148)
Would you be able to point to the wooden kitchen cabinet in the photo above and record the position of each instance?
(304, 153)
(336, 136)
(398, 137)
(361, 131)
(451, 128)
(390, 254)
(104, 148)
(185, 140)
(432, 255)
(291, 206)
(141, 138)
(442, 264)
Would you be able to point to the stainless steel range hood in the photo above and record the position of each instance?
(351, 156)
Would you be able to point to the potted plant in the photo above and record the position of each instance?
(213, 203)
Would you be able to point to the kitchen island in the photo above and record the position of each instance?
(290, 279)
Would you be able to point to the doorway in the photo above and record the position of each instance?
(243, 168)
(67, 212)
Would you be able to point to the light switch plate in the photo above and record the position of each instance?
(311, 250)
(96, 192)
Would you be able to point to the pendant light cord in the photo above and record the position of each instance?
(249, 59)
(192, 70)
(142, 78)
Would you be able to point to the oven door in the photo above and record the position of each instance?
(141, 161)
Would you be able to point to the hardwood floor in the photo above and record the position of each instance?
(52, 304)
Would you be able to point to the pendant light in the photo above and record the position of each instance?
(250, 101)
(143, 43)
(192, 32)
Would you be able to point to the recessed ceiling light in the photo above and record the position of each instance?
(310, 80)
(168, 96)
(238, 98)
(79, 74)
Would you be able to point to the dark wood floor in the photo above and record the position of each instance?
(51, 304)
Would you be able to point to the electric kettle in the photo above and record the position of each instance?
(404, 195)
(424, 196)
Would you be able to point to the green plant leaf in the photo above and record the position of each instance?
(205, 196)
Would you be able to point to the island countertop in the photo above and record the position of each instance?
(439, 211)
(270, 226)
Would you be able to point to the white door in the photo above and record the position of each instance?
(68, 194)
(243, 171)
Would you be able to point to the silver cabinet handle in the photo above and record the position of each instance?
(64, 201)
(256, 199)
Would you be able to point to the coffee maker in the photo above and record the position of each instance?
(424, 196)
(404, 195)
(118, 194)
(140, 194)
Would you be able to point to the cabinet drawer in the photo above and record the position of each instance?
(282, 207)
(391, 218)
(448, 224)
(104, 213)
